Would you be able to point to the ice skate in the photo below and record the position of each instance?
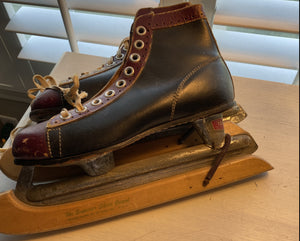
(153, 134)
(143, 97)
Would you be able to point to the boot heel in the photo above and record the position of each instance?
(190, 138)
(98, 165)
(211, 129)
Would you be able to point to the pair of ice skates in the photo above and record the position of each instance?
(155, 132)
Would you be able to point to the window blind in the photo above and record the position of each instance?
(250, 33)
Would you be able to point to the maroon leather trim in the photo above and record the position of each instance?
(143, 11)
(178, 17)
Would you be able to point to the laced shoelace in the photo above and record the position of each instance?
(48, 81)
(41, 84)
(72, 95)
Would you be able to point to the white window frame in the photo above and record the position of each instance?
(247, 54)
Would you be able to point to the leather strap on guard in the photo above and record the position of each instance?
(217, 161)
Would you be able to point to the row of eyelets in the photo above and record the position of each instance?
(139, 44)
(109, 93)
(128, 71)
(135, 57)
(96, 102)
(121, 83)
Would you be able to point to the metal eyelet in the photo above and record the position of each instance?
(80, 111)
(139, 44)
(119, 56)
(96, 102)
(121, 83)
(109, 93)
(141, 30)
(65, 114)
(135, 57)
(107, 64)
(129, 71)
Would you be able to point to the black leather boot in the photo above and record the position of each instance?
(172, 74)
(53, 97)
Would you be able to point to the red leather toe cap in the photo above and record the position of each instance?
(31, 143)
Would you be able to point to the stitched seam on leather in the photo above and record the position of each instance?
(59, 139)
(180, 86)
(48, 142)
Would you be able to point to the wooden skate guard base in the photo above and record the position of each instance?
(121, 202)
(261, 208)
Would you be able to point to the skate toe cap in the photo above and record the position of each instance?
(31, 143)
